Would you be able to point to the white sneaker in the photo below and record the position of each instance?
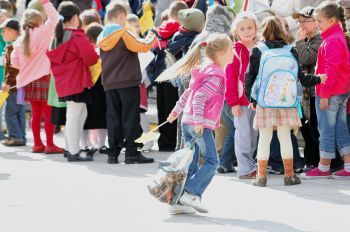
(194, 202)
(148, 146)
(180, 209)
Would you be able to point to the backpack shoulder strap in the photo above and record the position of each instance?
(262, 47)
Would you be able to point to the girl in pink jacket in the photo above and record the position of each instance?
(331, 97)
(245, 28)
(202, 104)
(29, 56)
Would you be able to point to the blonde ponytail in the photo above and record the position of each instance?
(32, 18)
(215, 43)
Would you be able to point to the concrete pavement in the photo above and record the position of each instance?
(44, 193)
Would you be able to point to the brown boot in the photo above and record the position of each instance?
(289, 177)
(261, 179)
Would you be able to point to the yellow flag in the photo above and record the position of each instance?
(3, 97)
(146, 20)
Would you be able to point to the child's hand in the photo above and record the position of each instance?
(301, 34)
(6, 88)
(171, 118)
(324, 104)
(236, 111)
(252, 105)
(199, 129)
(323, 78)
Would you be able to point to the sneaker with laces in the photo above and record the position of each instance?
(193, 201)
(342, 174)
(180, 209)
(315, 173)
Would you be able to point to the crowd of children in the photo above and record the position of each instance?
(78, 66)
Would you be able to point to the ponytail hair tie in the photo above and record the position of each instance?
(204, 44)
(61, 18)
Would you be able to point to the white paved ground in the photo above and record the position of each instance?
(40, 193)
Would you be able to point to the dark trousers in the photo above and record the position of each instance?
(123, 120)
(310, 134)
(167, 96)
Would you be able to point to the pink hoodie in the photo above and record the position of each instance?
(235, 76)
(202, 102)
(333, 60)
(37, 65)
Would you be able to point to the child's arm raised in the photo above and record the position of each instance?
(48, 28)
(138, 45)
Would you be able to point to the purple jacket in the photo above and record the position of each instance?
(202, 102)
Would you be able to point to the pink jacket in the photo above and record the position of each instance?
(37, 65)
(202, 102)
(333, 60)
(235, 76)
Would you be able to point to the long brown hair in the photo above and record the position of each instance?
(215, 43)
(272, 30)
(31, 19)
(330, 10)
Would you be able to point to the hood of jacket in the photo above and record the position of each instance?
(110, 36)
(198, 75)
(59, 54)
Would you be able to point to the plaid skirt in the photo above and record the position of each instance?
(37, 90)
(267, 117)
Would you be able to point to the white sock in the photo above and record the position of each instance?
(347, 167)
(323, 168)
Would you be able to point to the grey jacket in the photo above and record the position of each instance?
(307, 51)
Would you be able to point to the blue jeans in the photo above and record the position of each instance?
(333, 128)
(198, 178)
(15, 117)
(228, 150)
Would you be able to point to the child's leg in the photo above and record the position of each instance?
(85, 139)
(101, 134)
(265, 137)
(49, 127)
(37, 114)
(144, 122)
(243, 148)
(114, 123)
(198, 182)
(76, 113)
(326, 126)
(283, 133)
(11, 111)
(21, 116)
(188, 136)
(228, 155)
(342, 132)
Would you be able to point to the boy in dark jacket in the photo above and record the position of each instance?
(15, 113)
(121, 77)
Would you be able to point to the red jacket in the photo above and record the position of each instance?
(333, 60)
(235, 76)
(70, 64)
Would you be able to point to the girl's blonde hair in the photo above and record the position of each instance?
(246, 15)
(31, 19)
(211, 46)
